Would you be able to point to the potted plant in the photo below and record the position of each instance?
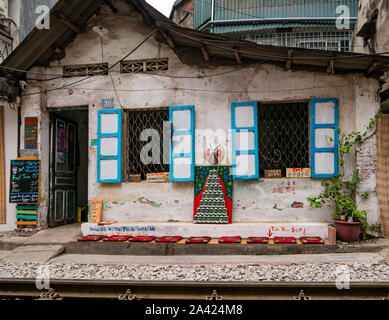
(349, 219)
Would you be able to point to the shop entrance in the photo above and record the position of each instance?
(68, 164)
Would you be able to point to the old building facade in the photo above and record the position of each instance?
(281, 111)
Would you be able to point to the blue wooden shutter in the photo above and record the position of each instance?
(324, 138)
(182, 144)
(109, 146)
(245, 163)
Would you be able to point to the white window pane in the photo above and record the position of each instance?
(109, 146)
(244, 117)
(324, 163)
(109, 123)
(245, 140)
(181, 119)
(322, 138)
(325, 113)
(245, 165)
(182, 143)
(109, 169)
(182, 168)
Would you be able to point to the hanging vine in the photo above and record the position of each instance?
(342, 192)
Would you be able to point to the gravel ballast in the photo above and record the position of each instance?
(247, 273)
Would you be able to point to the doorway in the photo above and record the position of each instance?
(68, 164)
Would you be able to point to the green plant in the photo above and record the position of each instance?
(342, 192)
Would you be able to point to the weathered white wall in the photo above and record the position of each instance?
(10, 148)
(4, 8)
(35, 106)
(366, 156)
(255, 201)
(366, 7)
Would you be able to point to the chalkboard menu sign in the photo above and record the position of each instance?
(24, 180)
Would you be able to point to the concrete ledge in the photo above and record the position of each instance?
(186, 230)
(170, 249)
(34, 253)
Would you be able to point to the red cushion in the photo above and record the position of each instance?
(142, 239)
(198, 240)
(230, 239)
(284, 240)
(168, 239)
(315, 240)
(92, 237)
(118, 238)
(258, 240)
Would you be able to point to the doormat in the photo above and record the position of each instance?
(168, 239)
(117, 238)
(198, 240)
(92, 238)
(258, 240)
(230, 239)
(311, 240)
(285, 240)
(142, 239)
(213, 195)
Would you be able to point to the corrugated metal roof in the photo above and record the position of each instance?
(240, 28)
(372, 65)
(270, 9)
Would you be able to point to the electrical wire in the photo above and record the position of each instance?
(57, 76)
(84, 79)
(102, 55)
(211, 90)
(193, 39)
(32, 72)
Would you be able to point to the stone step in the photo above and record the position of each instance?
(186, 229)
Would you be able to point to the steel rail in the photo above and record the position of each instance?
(184, 290)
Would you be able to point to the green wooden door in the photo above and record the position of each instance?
(63, 171)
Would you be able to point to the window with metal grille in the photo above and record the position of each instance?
(283, 134)
(138, 121)
(86, 70)
(141, 66)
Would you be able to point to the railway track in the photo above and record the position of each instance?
(152, 290)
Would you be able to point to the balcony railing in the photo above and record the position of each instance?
(318, 39)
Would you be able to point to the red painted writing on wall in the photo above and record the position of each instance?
(286, 229)
(288, 189)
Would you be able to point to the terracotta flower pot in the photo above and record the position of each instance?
(347, 231)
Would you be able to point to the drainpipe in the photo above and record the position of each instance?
(212, 11)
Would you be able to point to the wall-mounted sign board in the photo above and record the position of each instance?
(271, 174)
(158, 177)
(97, 208)
(107, 103)
(298, 172)
(31, 133)
(24, 181)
